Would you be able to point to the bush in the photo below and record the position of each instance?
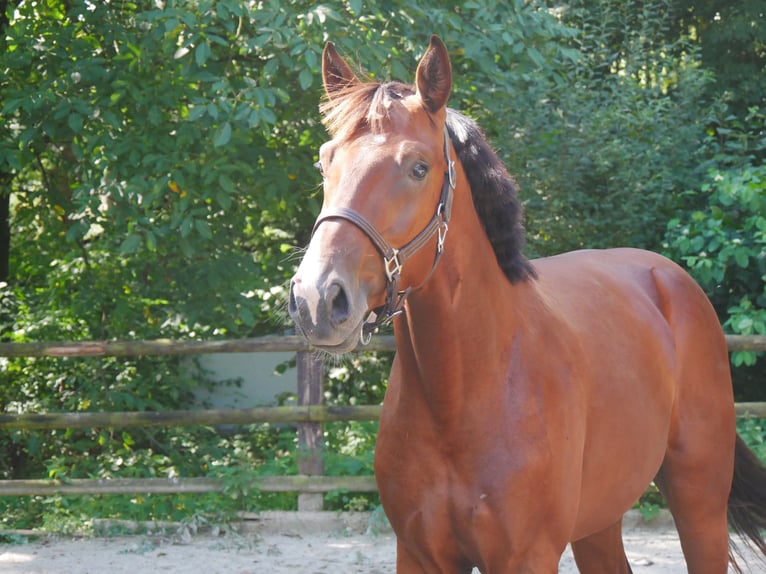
(603, 158)
(724, 247)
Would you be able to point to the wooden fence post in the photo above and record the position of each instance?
(310, 366)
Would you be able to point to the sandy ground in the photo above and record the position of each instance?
(318, 544)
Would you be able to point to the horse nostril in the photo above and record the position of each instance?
(292, 306)
(339, 304)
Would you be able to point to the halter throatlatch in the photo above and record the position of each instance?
(394, 259)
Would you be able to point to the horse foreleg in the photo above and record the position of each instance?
(602, 552)
(408, 562)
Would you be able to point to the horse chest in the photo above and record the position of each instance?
(426, 483)
(437, 502)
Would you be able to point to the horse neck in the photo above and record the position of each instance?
(459, 326)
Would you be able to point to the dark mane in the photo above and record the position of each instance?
(366, 106)
(495, 196)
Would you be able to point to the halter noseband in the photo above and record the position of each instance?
(394, 259)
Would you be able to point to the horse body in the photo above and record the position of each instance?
(557, 411)
(529, 404)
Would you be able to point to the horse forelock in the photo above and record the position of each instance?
(362, 107)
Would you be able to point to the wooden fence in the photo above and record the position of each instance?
(309, 415)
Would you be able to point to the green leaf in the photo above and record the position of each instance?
(202, 53)
(271, 67)
(75, 122)
(744, 325)
(355, 6)
(77, 230)
(155, 115)
(186, 226)
(203, 228)
(535, 55)
(268, 116)
(186, 248)
(196, 113)
(111, 119)
(222, 135)
(741, 257)
(131, 244)
(246, 316)
(305, 78)
(226, 183)
(224, 200)
(151, 241)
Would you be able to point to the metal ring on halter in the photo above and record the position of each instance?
(365, 336)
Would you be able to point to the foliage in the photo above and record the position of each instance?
(157, 158)
(723, 242)
(358, 379)
(753, 432)
(651, 503)
(732, 39)
(142, 127)
(350, 450)
(605, 153)
(181, 137)
(13, 539)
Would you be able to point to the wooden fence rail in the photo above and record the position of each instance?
(212, 417)
(289, 343)
(310, 416)
(296, 483)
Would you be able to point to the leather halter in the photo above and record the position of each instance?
(393, 258)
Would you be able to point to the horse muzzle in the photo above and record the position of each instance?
(326, 313)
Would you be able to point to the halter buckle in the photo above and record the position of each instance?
(443, 229)
(393, 265)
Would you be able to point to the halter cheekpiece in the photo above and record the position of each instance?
(393, 258)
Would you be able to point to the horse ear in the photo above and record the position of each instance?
(336, 73)
(434, 76)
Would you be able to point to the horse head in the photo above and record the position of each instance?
(388, 182)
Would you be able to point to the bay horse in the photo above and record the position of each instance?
(530, 402)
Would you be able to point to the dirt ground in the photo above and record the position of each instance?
(281, 543)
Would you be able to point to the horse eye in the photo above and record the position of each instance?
(420, 170)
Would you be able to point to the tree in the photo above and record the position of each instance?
(611, 149)
(732, 41)
(144, 127)
(182, 138)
